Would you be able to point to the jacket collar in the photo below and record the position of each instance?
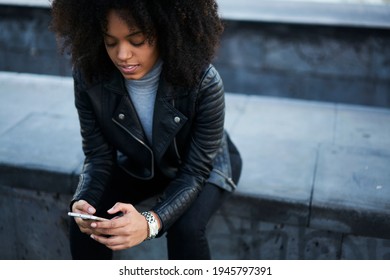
(167, 119)
(116, 84)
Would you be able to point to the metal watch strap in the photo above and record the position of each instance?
(152, 224)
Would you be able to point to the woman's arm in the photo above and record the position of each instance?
(98, 161)
(206, 139)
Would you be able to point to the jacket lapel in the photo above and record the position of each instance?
(126, 115)
(125, 112)
(167, 120)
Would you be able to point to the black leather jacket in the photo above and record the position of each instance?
(189, 145)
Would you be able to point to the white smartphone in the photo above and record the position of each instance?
(86, 216)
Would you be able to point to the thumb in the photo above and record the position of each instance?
(121, 207)
(84, 207)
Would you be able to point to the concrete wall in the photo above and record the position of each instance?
(346, 65)
(329, 63)
(34, 225)
(26, 44)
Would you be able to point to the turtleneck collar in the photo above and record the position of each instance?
(148, 83)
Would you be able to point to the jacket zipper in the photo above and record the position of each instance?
(174, 140)
(228, 179)
(142, 143)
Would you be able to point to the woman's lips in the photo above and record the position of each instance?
(129, 69)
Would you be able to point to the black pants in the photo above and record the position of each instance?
(186, 239)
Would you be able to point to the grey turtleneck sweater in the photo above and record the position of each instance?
(143, 94)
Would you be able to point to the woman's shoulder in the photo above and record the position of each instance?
(209, 75)
(83, 82)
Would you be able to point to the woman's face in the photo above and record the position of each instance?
(128, 48)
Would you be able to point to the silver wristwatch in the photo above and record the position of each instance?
(152, 224)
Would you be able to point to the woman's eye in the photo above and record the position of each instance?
(109, 44)
(137, 39)
(137, 43)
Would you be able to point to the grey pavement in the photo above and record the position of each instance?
(316, 164)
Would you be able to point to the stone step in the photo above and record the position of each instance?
(317, 166)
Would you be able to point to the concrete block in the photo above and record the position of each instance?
(241, 46)
(277, 171)
(340, 90)
(244, 80)
(42, 142)
(235, 109)
(37, 225)
(237, 238)
(382, 93)
(286, 120)
(55, 96)
(365, 248)
(379, 58)
(351, 191)
(8, 225)
(360, 126)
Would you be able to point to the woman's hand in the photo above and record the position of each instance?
(84, 207)
(121, 232)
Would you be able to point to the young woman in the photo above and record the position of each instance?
(151, 111)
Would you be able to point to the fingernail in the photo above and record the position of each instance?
(90, 210)
(93, 225)
(92, 236)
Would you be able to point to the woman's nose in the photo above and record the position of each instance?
(124, 52)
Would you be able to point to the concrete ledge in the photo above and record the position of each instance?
(308, 167)
(28, 3)
(291, 12)
(309, 13)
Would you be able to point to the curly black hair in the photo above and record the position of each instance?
(187, 31)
